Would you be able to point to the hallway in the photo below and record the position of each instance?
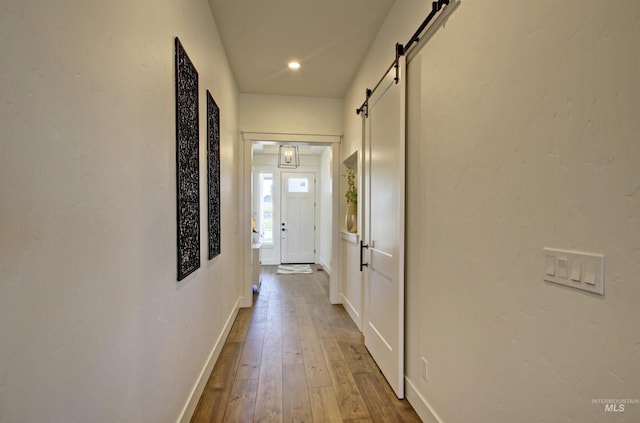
(294, 357)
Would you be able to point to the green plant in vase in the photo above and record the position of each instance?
(351, 195)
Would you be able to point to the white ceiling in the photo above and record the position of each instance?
(328, 37)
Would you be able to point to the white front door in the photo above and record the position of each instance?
(298, 218)
(384, 228)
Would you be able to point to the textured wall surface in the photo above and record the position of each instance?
(325, 181)
(523, 133)
(93, 325)
(290, 114)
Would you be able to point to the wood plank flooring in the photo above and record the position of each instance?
(295, 357)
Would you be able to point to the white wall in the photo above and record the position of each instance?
(522, 134)
(351, 278)
(93, 325)
(326, 205)
(290, 114)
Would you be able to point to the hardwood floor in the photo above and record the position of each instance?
(295, 357)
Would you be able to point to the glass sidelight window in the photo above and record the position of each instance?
(266, 207)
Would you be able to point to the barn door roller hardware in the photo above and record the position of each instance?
(401, 50)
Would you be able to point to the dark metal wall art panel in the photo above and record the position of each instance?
(187, 144)
(213, 151)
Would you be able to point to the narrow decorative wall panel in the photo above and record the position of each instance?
(187, 158)
(213, 160)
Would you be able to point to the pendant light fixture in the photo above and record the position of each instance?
(288, 156)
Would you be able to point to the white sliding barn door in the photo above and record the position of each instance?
(384, 227)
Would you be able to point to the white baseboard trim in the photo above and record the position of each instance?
(351, 311)
(419, 404)
(326, 267)
(198, 388)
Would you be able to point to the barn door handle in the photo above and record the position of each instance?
(362, 247)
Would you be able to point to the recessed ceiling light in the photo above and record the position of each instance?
(294, 65)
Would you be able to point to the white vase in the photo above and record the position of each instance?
(351, 219)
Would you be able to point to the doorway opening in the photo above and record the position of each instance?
(291, 209)
(261, 219)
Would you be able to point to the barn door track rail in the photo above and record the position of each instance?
(401, 50)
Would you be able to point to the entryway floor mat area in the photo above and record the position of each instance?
(294, 269)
